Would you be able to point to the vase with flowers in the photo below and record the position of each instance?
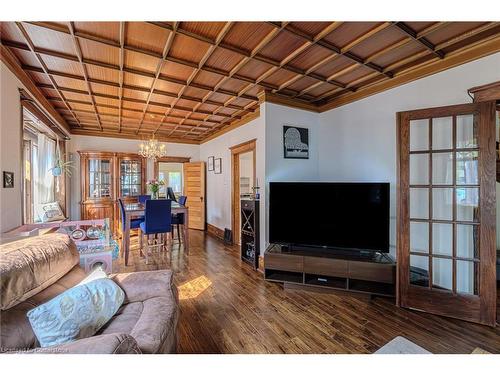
(154, 187)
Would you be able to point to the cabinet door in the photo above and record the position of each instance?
(131, 177)
(446, 211)
(99, 178)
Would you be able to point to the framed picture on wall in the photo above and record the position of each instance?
(210, 163)
(295, 142)
(8, 179)
(218, 166)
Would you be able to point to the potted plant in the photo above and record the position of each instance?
(154, 187)
(61, 166)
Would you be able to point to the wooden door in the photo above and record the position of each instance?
(194, 188)
(447, 211)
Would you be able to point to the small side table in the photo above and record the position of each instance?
(97, 254)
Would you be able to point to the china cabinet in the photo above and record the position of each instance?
(107, 176)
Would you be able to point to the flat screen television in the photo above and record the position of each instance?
(334, 215)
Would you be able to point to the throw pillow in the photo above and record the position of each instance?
(49, 212)
(77, 313)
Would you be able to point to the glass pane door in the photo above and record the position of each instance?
(130, 178)
(444, 203)
(446, 216)
(99, 172)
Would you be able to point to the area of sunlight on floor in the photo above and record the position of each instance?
(194, 288)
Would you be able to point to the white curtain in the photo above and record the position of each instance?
(44, 180)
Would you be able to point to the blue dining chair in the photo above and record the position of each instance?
(178, 219)
(134, 223)
(143, 198)
(157, 222)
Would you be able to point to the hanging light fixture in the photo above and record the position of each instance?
(152, 149)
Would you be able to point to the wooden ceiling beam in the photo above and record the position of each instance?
(78, 50)
(423, 41)
(262, 43)
(110, 106)
(125, 86)
(364, 36)
(159, 66)
(32, 49)
(317, 39)
(132, 100)
(148, 122)
(227, 27)
(467, 34)
(112, 43)
(331, 47)
(247, 56)
(123, 26)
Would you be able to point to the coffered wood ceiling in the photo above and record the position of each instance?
(189, 81)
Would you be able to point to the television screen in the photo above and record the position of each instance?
(333, 215)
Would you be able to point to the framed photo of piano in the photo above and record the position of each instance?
(295, 142)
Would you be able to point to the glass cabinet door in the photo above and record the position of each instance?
(99, 172)
(130, 178)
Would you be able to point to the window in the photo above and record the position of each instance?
(171, 174)
(39, 153)
(175, 181)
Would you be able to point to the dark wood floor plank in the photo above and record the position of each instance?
(227, 307)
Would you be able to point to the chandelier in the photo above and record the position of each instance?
(152, 149)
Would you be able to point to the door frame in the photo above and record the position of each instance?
(248, 146)
(171, 159)
(479, 308)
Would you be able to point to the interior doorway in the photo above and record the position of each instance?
(243, 179)
(170, 169)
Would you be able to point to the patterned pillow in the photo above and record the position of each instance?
(49, 212)
(77, 313)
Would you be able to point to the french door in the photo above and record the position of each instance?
(446, 245)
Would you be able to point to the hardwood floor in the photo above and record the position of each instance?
(226, 307)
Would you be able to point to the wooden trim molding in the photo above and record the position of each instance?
(248, 146)
(130, 136)
(237, 124)
(289, 102)
(486, 93)
(169, 159)
(215, 231)
(13, 64)
(436, 65)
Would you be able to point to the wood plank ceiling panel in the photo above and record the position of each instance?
(191, 80)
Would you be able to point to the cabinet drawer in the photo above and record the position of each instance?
(383, 273)
(326, 266)
(284, 262)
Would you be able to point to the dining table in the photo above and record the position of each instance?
(133, 210)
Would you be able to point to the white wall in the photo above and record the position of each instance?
(90, 143)
(10, 150)
(358, 141)
(277, 167)
(219, 185)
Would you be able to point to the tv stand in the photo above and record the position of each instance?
(353, 271)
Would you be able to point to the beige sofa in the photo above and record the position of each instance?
(34, 270)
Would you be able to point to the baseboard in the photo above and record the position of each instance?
(215, 231)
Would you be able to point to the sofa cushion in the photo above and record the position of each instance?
(77, 313)
(31, 265)
(16, 332)
(152, 323)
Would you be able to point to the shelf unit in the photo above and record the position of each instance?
(352, 271)
(107, 176)
(250, 232)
